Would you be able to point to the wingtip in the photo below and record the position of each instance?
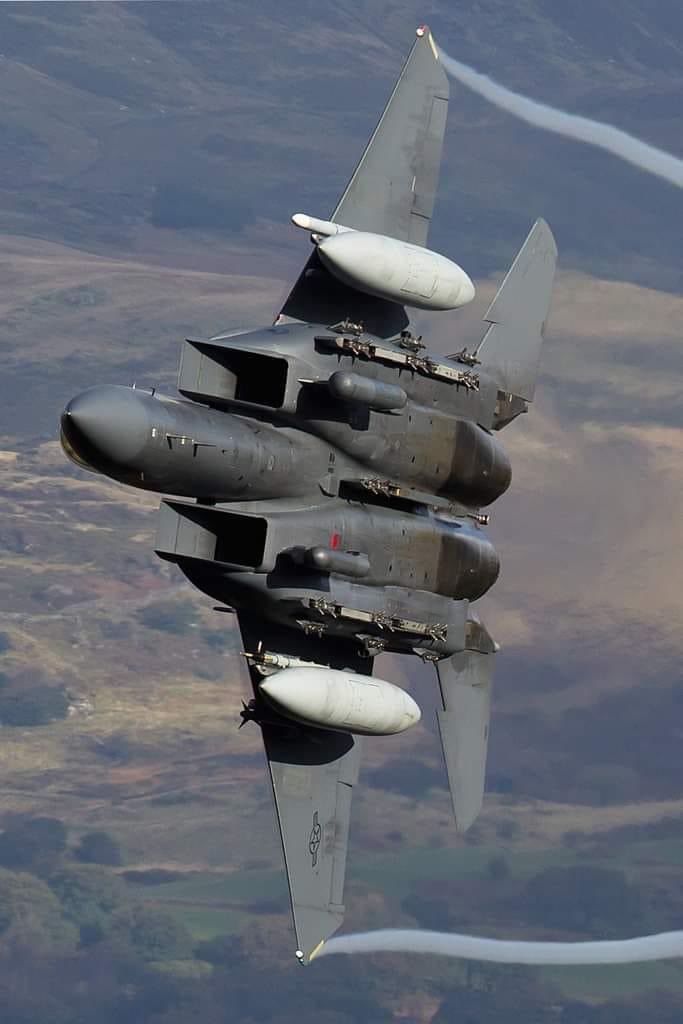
(424, 32)
(314, 952)
(544, 231)
(303, 959)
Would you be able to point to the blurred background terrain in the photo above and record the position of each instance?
(152, 155)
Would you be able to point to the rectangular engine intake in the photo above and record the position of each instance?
(214, 371)
(210, 535)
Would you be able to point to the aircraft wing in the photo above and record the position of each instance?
(313, 772)
(391, 192)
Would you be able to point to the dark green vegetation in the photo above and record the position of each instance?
(98, 940)
(152, 154)
(32, 705)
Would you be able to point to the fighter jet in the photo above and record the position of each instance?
(324, 480)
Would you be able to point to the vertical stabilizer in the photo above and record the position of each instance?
(511, 348)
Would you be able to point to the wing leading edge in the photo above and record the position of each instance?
(391, 192)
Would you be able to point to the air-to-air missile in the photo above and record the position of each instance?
(326, 478)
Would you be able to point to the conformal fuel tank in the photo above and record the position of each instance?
(340, 701)
(395, 270)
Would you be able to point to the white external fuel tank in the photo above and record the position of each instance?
(340, 701)
(395, 270)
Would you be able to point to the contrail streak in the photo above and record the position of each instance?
(572, 126)
(665, 946)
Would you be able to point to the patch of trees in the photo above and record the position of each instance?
(98, 848)
(32, 705)
(110, 982)
(491, 994)
(39, 845)
(153, 934)
(585, 899)
(166, 616)
(107, 985)
(429, 911)
(79, 907)
(32, 844)
(49, 901)
(89, 898)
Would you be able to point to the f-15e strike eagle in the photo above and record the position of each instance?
(327, 476)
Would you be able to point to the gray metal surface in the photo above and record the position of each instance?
(465, 682)
(511, 348)
(313, 778)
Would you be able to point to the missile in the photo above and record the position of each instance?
(322, 559)
(340, 701)
(317, 227)
(351, 387)
(395, 270)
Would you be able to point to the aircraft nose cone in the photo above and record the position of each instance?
(105, 426)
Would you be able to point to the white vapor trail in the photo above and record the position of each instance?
(572, 126)
(665, 946)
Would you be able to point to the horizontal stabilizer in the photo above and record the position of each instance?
(511, 348)
(465, 681)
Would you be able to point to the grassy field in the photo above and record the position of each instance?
(400, 872)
